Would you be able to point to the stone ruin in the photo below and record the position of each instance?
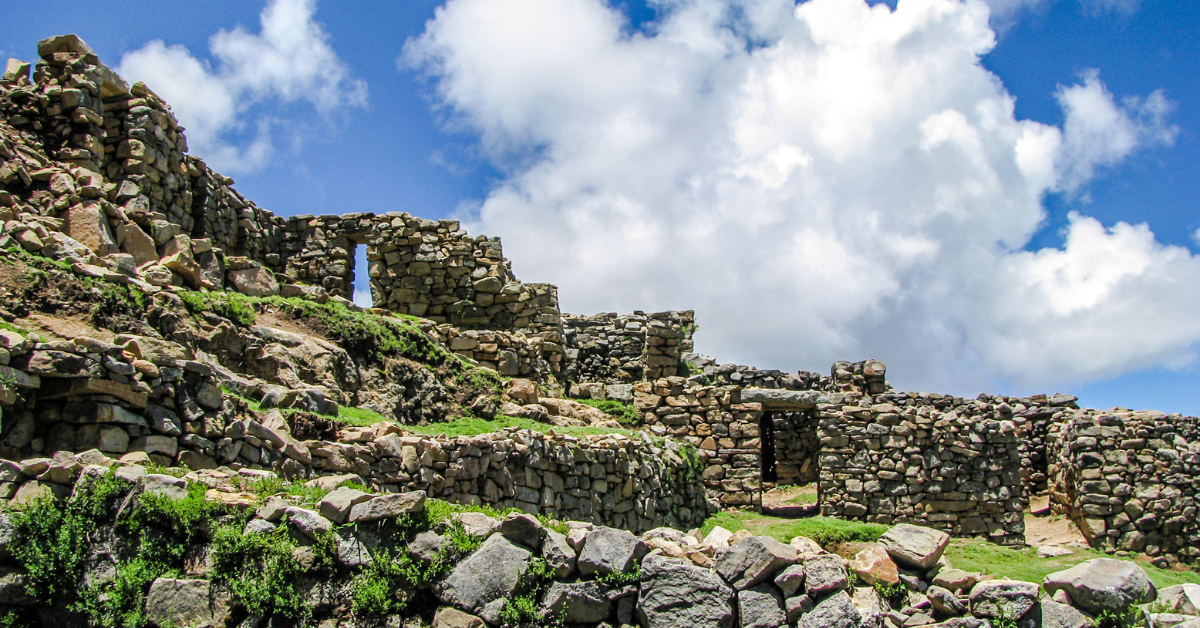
(95, 172)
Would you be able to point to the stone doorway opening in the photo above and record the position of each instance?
(789, 453)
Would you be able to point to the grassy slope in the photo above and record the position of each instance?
(969, 554)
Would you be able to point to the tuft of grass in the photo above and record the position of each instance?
(1024, 564)
(359, 416)
(624, 413)
(826, 531)
(472, 426)
(236, 307)
(13, 328)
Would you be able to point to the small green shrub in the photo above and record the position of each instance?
(523, 609)
(895, 594)
(236, 307)
(624, 413)
(259, 570)
(617, 579)
(54, 536)
(359, 416)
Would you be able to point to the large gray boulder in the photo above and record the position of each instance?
(1055, 615)
(761, 607)
(607, 550)
(193, 603)
(336, 504)
(871, 606)
(1103, 584)
(753, 560)
(447, 617)
(492, 573)
(387, 506)
(559, 554)
(790, 579)
(675, 594)
(944, 601)
(576, 602)
(835, 611)
(1181, 598)
(524, 530)
(915, 546)
(825, 573)
(1003, 599)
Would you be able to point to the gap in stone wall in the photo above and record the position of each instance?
(362, 280)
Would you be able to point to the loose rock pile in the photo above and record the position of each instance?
(601, 576)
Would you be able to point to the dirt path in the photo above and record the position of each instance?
(789, 496)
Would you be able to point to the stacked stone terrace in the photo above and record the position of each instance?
(95, 173)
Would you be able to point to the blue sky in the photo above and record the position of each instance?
(430, 132)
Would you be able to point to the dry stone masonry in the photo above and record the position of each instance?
(95, 174)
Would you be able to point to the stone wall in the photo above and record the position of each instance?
(1129, 481)
(942, 462)
(512, 354)
(143, 396)
(618, 349)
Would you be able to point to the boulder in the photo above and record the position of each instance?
(447, 617)
(164, 485)
(386, 506)
(1103, 584)
(825, 573)
(915, 546)
(761, 606)
(871, 606)
(790, 580)
(944, 601)
(477, 524)
(181, 263)
(797, 606)
(135, 242)
(1181, 598)
(426, 546)
(194, 603)
(753, 560)
(873, 564)
(1003, 599)
(559, 555)
(308, 522)
(492, 573)
(336, 504)
(86, 223)
(523, 391)
(256, 281)
(1056, 615)
(523, 529)
(576, 602)
(835, 611)
(955, 579)
(607, 550)
(675, 594)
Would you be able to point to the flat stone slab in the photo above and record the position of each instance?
(773, 399)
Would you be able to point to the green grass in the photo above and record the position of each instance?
(472, 426)
(624, 413)
(234, 306)
(980, 556)
(824, 530)
(973, 555)
(804, 498)
(359, 416)
(13, 328)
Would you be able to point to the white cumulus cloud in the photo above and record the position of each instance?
(290, 60)
(819, 181)
(1099, 133)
